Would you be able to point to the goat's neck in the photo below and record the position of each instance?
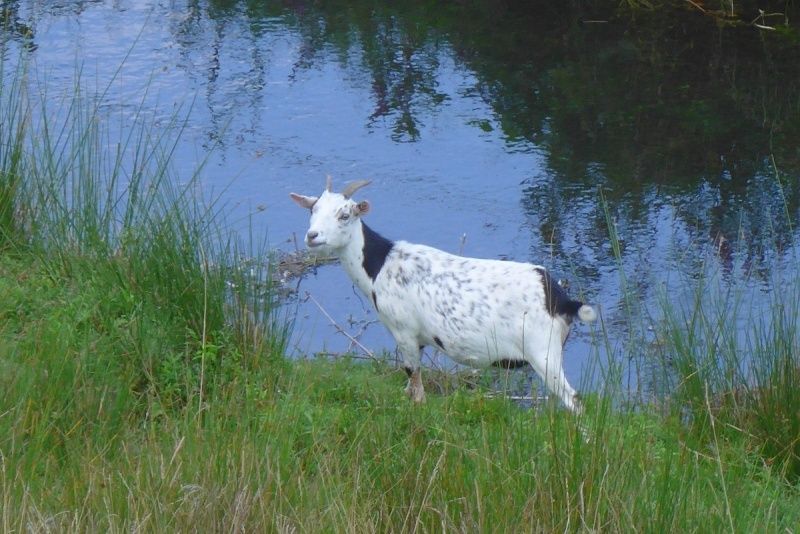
(364, 256)
(352, 259)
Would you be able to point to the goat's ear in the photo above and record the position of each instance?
(362, 208)
(303, 201)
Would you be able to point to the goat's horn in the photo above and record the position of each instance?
(328, 182)
(352, 187)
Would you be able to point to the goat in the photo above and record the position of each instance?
(480, 312)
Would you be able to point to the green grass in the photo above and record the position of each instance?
(143, 385)
(319, 445)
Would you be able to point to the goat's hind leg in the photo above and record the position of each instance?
(549, 364)
(557, 383)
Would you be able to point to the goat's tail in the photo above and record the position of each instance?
(587, 314)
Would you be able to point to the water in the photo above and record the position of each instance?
(502, 132)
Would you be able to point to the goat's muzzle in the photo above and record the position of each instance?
(311, 235)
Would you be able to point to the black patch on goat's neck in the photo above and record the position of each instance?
(507, 363)
(376, 248)
(438, 342)
(556, 299)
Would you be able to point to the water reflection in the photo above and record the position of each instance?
(13, 27)
(209, 36)
(533, 127)
(676, 112)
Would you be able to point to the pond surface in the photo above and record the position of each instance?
(530, 133)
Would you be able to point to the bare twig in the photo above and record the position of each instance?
(532, 398)
(341, 330)
(364, 326)
(698, 6)
(336, 355)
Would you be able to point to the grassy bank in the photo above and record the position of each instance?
(319, 445)
(143, 385)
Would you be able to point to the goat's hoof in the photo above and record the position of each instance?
(415, 394)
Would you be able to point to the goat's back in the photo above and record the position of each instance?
(475, 310)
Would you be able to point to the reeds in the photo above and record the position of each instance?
(734, 367)
(110, 213)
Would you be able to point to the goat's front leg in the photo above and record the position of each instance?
(410, 352)
(414, 389)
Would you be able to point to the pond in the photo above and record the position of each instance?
(628, 154)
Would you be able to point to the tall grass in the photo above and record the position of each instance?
(12, 135)
(125, 300)
(111, 213)
(725, 365)
(735, 369)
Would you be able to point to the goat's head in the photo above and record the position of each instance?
(334, 216)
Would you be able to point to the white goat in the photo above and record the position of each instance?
(479, 312)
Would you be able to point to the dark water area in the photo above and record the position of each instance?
(531, 131)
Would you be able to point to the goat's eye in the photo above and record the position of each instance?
(344, 216)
